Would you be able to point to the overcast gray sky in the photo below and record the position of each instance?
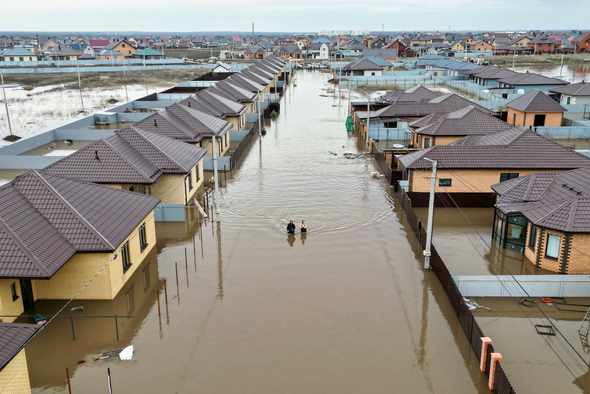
(292, 15)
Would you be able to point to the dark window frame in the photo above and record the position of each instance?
(13, 292)
(446, 182)
(534, 234)
(142, 238)
(125, 257)
(508, 176)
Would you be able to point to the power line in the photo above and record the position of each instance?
(528, 295)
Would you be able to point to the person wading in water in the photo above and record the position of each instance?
(291, 228)
(303, 227)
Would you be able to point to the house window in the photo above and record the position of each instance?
(197, 172)
(13, 291)
(190, 179)
(125, 257)
(569, 99)
(553, 244)
(426, 142)
(131, 189)
(514, 120)
(390, 125)
(21, 58)
(533, 237)
(123, 45)
(505, 176)
(445, 182)
(142, 238)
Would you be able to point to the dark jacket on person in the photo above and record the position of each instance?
(291, 227)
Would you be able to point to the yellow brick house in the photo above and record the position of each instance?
(138, 160)
(57, 233)
(467, 168)
(14, 374)
(546, 216)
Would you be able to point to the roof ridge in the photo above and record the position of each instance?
(16, 239)
(73, 210)
(143, 136)
(123, 157)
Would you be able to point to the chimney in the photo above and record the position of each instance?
(96, 155)
(155, 122)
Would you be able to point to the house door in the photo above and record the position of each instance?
(26, 289)
(539, 120)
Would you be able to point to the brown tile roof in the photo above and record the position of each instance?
(245, 83)
(467, 121)
(232, 92)
(414, 94)
(531, 79)
(535, 101)
(209, 102)
(45, 219)
(131, 155)
(574, 89)
(558, 201)
(184, 123)
(13, 336)
(514, 148)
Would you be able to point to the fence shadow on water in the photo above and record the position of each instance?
(466, 319)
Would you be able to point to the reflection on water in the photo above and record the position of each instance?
(570, 73)
(350, 312)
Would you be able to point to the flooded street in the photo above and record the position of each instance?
(345, 309)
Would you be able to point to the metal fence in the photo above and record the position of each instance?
(464, 315)
(241, 148)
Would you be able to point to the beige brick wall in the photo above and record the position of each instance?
(463, 181)
(579, 261)
(83, 266)
(14, 378)
(7, 305)
(527, 119)
(170, 189)
(206, 143)
(118, 278)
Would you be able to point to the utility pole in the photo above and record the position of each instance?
(215, 177)
(6, 103)
(80, 85)
(368, 119)
(561, 67)
(429, 227)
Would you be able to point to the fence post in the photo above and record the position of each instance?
(485, 342)
(117, 326)
(496, 360)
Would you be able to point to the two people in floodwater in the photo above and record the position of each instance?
(291, 232)
(291, 227)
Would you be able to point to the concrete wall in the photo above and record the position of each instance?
(82, 267)
(14, 378)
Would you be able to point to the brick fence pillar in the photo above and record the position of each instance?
(496, 358)
(485, 342)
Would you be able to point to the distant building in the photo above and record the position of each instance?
(535, 109)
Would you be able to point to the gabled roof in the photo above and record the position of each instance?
(45, 219)
(255, 49)
(13, 337)
(245, 83)
(442, 104)
(414, 94)
(109, 52)
(514, 148)
(381, 52)
(233, 92)
(18, 52)
(148, 52)
(495, 73)
(131, 155)
(467, 121)
(362, 65)
(574, 89)
(558, 201)
(213, 104)
(291, 48)
(184, 123)
(531, 79)
(98, 43)
(535, 101)
(256, 76)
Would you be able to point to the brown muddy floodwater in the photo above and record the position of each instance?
(345, 309)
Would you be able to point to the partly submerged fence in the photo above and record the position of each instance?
(501, 384)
